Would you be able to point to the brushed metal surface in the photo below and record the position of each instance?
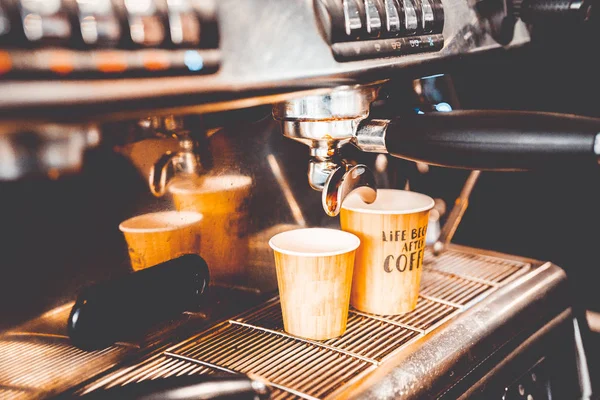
(271, 46)
(431, 367)
(562, 319)
(378, 356)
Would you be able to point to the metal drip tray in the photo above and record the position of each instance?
(37, 359)
(255, 343)
(55, 360)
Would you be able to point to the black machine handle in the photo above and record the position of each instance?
(569, 18)
(196, 387)
(121, 308)
(495, 140)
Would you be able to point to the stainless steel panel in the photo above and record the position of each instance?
(359, 361)
(270, 45)
(433, 366)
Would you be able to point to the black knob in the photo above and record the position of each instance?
(563, 12)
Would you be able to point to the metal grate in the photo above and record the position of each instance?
(366, 336)
(255, 343)
(485, 269)
(159, 366)
(34, 365)
(275, 357)
(15, 394)
(450, 289)
(427, 314)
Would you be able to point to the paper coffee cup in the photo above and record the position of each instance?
(314, 274)
(158, 237)
(223, 202)
(392, 231)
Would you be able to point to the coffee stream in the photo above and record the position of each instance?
(411, 255)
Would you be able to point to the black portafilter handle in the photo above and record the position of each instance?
(495, 140)
(562, 13)
(574, 19)
(192, 387)
(123, 308)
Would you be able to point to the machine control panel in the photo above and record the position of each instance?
(360, 29)
(107, 57)
(86, 39)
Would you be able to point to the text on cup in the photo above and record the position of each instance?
(411, 254)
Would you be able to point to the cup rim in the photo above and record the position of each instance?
(428, 203)
(239, 182)
(355, 243)
(177, 223)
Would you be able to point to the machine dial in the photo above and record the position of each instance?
(361, 29)
(372, 18)
(146, 28)
(184, 26)
(393, 23)
(98, 23)
(45, 21)
(410, 16)
(4, 23)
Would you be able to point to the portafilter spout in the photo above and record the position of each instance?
(325, 122)
(185, 162)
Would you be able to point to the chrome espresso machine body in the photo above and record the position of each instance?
(105, 104)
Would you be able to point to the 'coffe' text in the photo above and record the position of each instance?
(411, 253)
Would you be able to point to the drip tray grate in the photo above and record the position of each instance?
(31, 366)
(255, 343)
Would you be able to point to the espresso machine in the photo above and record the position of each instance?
(107, 105)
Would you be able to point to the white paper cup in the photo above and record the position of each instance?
(392, 231)
(158, 237)
(314, 274)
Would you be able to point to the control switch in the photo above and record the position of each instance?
(146, 28)
(45, 21)
(98, 23)
(184, 26)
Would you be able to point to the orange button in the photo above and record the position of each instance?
(61, 62)
(5, 62)
(110, 61)
(156, 61)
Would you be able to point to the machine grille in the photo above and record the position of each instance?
(254, 342)
(34, 366)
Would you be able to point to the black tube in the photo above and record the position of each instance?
(495, 140)
(122, 308)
